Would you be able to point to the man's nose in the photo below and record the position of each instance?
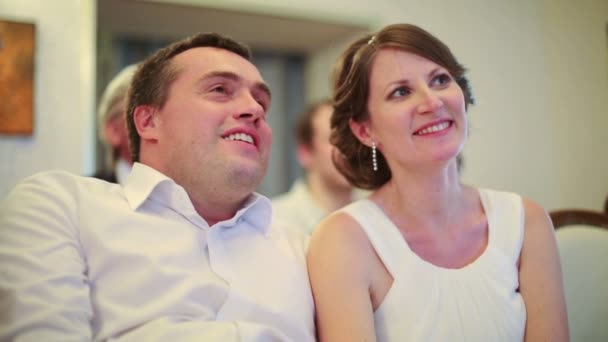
(250, 109)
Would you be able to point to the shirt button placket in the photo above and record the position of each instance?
(217, 255)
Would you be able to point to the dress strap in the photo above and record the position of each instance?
(384, 236)
(505, 214)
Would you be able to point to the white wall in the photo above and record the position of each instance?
(539, 72)
(575, 34)
(63, 91)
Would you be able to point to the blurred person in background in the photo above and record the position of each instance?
(323, 189)
(112, 128)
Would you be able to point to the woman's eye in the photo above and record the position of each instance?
(400, 92)
(442, 79)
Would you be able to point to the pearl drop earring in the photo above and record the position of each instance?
(374, 159)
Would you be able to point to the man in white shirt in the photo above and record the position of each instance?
(324, 189)
(184, 250)
(112, 128)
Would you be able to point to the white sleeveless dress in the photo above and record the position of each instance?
(479, 302)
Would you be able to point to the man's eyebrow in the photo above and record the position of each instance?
(260, 86)
(221, 74)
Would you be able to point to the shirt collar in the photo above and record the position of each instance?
(256, 211)
(141, 182)
(144, 182)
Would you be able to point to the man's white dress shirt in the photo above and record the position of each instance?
(82, 259)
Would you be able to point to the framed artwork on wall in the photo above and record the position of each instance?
(17, 50)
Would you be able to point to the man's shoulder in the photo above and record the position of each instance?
(55, 201)
(59, 184)
(53, 178)
(66, 178)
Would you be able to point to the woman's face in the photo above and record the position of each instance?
(417, 110)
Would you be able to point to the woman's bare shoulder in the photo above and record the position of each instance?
(341, 228)
(339, 239)
(536, 217)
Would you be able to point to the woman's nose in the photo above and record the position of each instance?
(429, 101)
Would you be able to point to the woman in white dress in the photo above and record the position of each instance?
(425, 257)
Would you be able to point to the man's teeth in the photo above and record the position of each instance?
(240, 136)
(435, 128)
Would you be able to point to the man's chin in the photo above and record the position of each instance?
(247, 175)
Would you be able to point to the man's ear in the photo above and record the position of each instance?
(304, 153)
(146, 122)
(362, 131)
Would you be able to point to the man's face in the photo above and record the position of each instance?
(322, 150)
(212, 129)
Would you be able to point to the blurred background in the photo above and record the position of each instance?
(539, 71)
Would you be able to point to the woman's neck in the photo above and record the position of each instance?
(430, 197)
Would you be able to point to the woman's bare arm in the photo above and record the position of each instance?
(540, 279)
(339, 261)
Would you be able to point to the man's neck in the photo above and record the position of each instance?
(214, 210)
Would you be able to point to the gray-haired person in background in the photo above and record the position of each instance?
(112, 128)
